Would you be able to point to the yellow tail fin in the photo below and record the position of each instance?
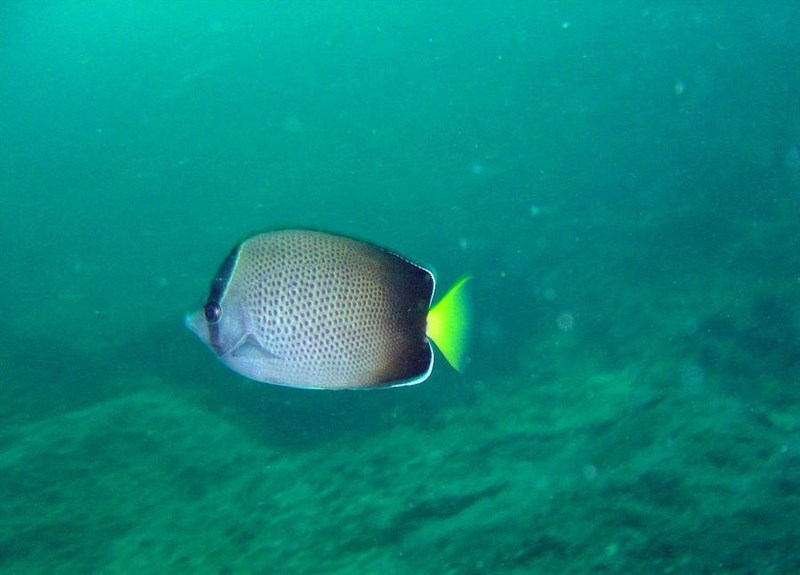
(449, 323)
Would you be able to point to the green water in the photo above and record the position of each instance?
(621, 178)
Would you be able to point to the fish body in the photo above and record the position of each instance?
(315, 310)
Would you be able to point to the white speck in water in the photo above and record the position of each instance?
(692, 376)
(292, 125)
(565, 321)
(792, 159)
(691, 326)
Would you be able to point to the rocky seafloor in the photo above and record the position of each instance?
(656, 431)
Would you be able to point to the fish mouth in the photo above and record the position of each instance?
(195, 322)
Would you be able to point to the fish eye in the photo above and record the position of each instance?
(212, 312)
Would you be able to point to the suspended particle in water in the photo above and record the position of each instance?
(292, 125)
(692, 376)
(792, 159)
(491, 332)
(565, 321)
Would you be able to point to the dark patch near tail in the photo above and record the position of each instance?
(412, 291)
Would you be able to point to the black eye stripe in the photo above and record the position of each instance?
(223, 277)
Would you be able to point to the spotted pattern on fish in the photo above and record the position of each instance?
(324, 311)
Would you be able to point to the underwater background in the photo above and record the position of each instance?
(621, 178)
